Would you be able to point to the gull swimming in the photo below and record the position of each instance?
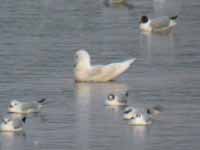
(159, 24)
(25, 107)
(12, 124)
(85, 72)
(131, 112)
(117, 100)
(140, 120)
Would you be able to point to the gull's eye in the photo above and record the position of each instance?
(111, 97)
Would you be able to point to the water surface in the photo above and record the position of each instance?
(37, 43)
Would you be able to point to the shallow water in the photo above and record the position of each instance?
(37, 43)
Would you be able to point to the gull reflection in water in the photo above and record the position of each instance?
(158, 48)
(140, 131)
(90, 99)
(140, 135)
(85, 92)
(12, 140)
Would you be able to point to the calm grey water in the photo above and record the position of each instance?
(37, 41)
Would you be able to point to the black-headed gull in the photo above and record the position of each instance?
(159, 24)
(117, 100)
(85, 72)
(10, 124)
(131, 112)
(25, 107)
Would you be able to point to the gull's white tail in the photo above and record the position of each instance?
(112, 71)
(129, 62)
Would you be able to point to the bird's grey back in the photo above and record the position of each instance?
(123, 98)
(27, 106)
(160, 22)
(17, 123)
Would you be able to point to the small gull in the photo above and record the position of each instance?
(25, 107)
(160, 24)
(10, 124)
(131, 112)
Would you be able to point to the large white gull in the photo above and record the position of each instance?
(85, 72)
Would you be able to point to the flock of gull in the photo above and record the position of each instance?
(137, 117)
(16, 123)
(84, 71)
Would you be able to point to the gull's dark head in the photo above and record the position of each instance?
(144, 19)
(111, 97)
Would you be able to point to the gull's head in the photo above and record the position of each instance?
(111, 100)
(6, 123)
(144, 19)
(115, 100)
(82, 59)
(14, 104)
(129, 113)
(111, 97)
